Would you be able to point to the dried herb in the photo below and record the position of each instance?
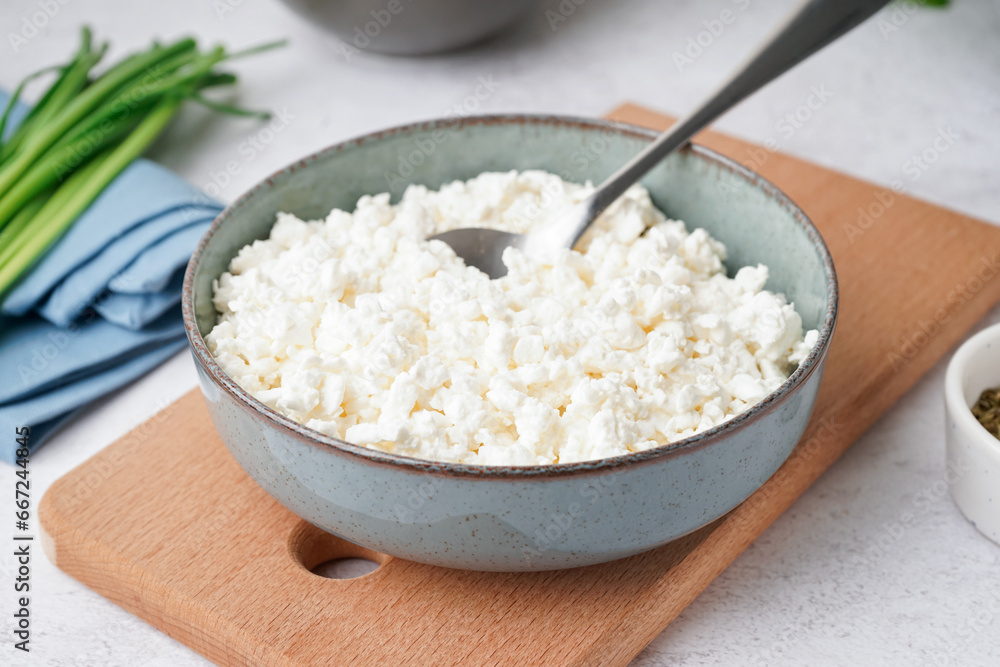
(987, 411)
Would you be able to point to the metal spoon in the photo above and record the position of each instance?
(812, 26)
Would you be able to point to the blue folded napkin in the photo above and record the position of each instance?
(145, 204)
(151, 270)
(135, 311)
(45, 413)
(101, 308)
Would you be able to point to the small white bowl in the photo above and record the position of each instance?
(973, 465)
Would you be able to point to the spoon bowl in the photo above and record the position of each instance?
(483, 248)
(478, 247)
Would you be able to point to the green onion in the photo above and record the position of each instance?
(20, 222)
(82, 194)
(82, 104)
(85, 130)
(43, 207)
(54, 166)
(71, 79)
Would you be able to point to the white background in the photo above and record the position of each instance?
(830, 582)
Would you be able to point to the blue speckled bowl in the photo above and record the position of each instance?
(524, 518)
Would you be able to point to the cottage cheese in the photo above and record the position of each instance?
(359, 327)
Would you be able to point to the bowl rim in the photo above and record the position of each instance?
(710, 436)
(954, 396)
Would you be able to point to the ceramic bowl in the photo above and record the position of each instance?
(402, 27)
(535, 517)
(973, 454)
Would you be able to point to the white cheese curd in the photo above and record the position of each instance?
(359, 327)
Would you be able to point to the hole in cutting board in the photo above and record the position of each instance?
(331, 557)
(346, 568)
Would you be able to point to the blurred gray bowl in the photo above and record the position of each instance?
(406, 27)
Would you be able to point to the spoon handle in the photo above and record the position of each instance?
(812, 26)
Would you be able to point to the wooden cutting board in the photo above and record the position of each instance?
(165, 524)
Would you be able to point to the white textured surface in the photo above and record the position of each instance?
(833, 581)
